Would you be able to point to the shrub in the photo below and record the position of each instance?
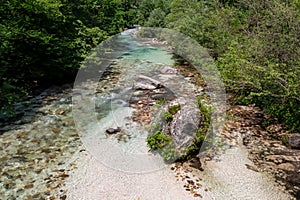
(158, 140)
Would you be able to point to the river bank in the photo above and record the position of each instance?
(45, 156)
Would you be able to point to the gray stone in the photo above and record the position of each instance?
(168, 70)
(144, 86)
(113, 130)
(147, 83)
(294, 141)
(184, 126)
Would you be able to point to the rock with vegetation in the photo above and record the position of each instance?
(184, 126)
(180, 130)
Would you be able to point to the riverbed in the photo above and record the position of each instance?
(51, 154)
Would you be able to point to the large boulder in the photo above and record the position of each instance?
(184, 127)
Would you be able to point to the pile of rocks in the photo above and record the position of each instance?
(146, 91)
(271, 148)
(190, 181)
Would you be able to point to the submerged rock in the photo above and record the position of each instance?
(147, 83)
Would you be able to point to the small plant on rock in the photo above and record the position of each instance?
(158, 140)
(174, 109)
(168, 117)
(160, 101)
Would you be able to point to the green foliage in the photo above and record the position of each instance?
(145, 7)
(152, 13)
(205, 109)
(262, 67)
(161, 101)
(163, 144)
(174, 109)
(287, 112)
(256, 46)
(284, 139)
(10, 93)
(168, 117)
(191, 151)
(158, 140)
(201, 135)
(43, 42)
(169, 153)
(156, 18)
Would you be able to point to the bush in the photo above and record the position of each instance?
(256, 46)
(43, 43)
(158, 140)
(168, 117)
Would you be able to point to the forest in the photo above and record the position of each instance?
(255, 44)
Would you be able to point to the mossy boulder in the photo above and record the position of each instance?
(180, 129)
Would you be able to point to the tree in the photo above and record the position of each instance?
(43, 42)
(156, 18)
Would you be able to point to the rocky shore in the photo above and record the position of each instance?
(36, 147)
(42, 156)
(268, 145)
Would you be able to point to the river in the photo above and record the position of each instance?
(45, 155)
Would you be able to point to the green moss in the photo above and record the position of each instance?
(168, 117)
(174, 109)
(160, 101)
(205, 108)
(201, 137)
(169, 153)
(163, 143)
(158, 140)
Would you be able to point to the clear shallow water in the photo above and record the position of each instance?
(33, 158)
(36, 157)
(227, 177)
(133, 155)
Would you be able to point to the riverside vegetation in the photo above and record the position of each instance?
(255, 44)
(160, 139)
